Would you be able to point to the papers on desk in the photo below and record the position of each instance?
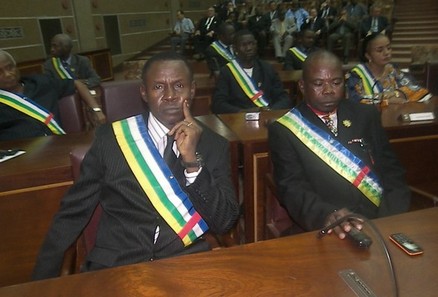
(9, 154)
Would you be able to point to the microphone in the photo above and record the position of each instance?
(381, 241)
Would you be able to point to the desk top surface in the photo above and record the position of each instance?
(299, 265)
(44, 156)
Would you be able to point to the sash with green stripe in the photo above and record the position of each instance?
(369, 84)
(299, 54)
(219, 48)
(334, 154)
(63, 72)
(31, 109)
(247, 85)
(157, 181)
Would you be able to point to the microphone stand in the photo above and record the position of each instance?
(361, 218)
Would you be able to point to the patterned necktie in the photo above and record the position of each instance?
(330, 124)
(169, 155)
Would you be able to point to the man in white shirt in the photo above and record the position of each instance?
(182, 31)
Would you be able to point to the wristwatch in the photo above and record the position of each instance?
(198, 163)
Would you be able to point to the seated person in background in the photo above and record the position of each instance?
(316, 24)
(296, 55)
(314, 144)
(296, 12)
(220, 52)
(282, 30)
(341, 28)
(205, 33)
(248, 83)
(180, 162)
(182, 31)
(375, 22)
(260, 24)
(65, 65)
(327, 12)
(39, 94)
(376, 79)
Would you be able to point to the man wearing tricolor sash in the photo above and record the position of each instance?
(331, 156)
(220, 52)
(161, 178)
(296, 55)
(64, 65)
(29, 105)
(248, 83)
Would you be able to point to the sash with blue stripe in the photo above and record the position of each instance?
(334, 154)
(31, 109)
(299, 54)
(247, 84)
(62, 71)
(370, 86)
(220, 49)
(157, 181)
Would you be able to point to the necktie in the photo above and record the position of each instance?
(374, 25)
(169, 155)
(330, 124)
(209, 21)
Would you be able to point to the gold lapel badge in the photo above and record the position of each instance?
(346, 123)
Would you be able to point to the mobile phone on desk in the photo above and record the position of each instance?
(406, 244)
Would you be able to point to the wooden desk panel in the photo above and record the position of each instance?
(46, 161)
(300, 265)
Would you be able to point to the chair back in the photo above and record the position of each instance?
(71, 113)
(122, 99)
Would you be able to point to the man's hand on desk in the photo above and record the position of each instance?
(345, 226)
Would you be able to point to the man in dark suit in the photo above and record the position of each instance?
(331, 157)
(205, 33)
(375, 22)
(296, 55)
(78, 66)
(161, 178)
(220, 52)
(260, 24)
(342, 29)
(248, 83)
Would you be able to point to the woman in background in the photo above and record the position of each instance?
(377, 80)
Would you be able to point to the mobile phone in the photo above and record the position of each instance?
(359, 238)
(406, 244)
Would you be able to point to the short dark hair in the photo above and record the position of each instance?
(166, 56)
(317, 55)
(241, 33)
(222, 29)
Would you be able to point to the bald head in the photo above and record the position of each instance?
(61, 46)
(4, 55)
(319, 58)
(9, 74)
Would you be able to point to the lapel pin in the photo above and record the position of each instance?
(346, 123)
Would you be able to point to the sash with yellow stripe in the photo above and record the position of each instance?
(222, 51)
(247, 85)
(334, 154)
(31, 109)
(370, 86)
(63, 72)
(156, 179)
(299, 54)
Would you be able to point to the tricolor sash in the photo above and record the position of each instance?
(31, 109)
(156, 179)
(299, 54)
(370, 86)
(247, 85)
(221, 50)
(334, 154)
(62, 71)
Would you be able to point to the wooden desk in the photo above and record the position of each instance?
(255, 160)
(300, 265)
(31, 187)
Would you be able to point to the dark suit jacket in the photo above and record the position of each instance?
(229, 96)
(80, 66)
(214, 60)
(318, 24)
(262, 24)
(126, 229)
(382, 24)
(202, 25)
(311, 190)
